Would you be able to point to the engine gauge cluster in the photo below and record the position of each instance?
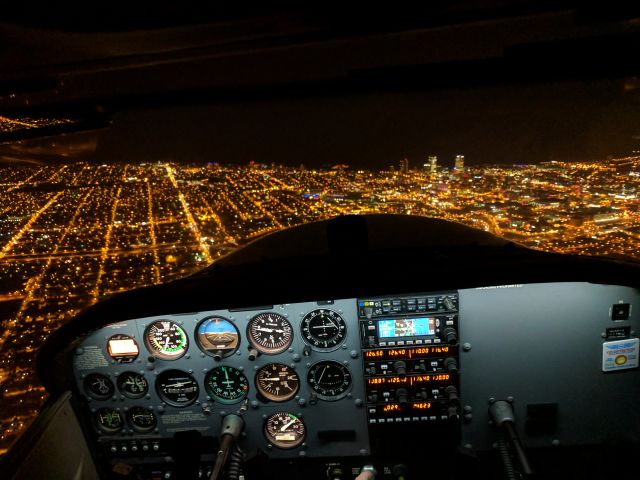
(133, 385)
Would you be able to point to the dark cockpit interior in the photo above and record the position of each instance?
(363, 346)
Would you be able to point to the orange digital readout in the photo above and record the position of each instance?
(409, 380)
(392, 407)
(415, 352)
(421, 406)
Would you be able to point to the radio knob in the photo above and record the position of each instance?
(452, 394)
(450, 335)
(402, 396)
(451, 364)
(400, 367)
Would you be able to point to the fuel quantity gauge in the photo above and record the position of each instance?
(132, 385)
(108, 420)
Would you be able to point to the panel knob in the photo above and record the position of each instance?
(402, 396)
(450, 336)
(451, 364)
(400, 367)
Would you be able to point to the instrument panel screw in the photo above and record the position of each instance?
(466, 346)
(510, 399)
(492, 400)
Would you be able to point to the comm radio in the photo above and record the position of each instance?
(410, 356)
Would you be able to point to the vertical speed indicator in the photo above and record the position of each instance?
(323, 329)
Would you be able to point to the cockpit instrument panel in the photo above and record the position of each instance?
(358, 377)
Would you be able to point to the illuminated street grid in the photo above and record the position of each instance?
(73, 234)
(8, 125)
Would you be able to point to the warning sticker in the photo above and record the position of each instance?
(620, 354)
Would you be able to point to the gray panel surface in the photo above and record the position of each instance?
(540, 344)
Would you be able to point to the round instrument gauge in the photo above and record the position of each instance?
(109, 420)
(226, 384)
(218, 337)
(270, 333)
(285, 430)
(98, 386)
(177, 388)
(141, 419)
(277, 382)
(166, 340)
(329, 380)
(132, 385)
(323, 329)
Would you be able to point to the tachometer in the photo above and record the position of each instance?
(98, 386)
(218, 337)
(132, 385)
(109, 420)
(330, 380)
(323, 329)
(141, 419)
(270, 333)
(277, 382)
(226, 384)
(177, 388)
(285, 430)
(166, 340)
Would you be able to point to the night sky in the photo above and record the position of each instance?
(500, 124)
(517, 124)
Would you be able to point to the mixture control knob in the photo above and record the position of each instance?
(451, 364)
(450, 335)
(448, 304)
(402, 395)
(400, 367)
